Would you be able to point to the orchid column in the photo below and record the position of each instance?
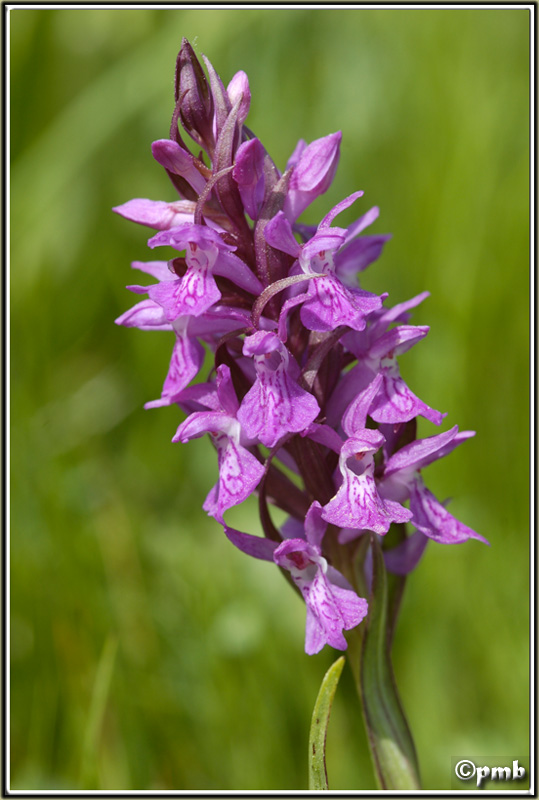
(305, 379)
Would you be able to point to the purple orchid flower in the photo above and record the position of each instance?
(275, 405)
(332, 604)
(402, 480)
(357, 252)
(206, 254)
(197, 291)
(376, 352)
(239, 471)
(328, 302)
(187, 354)
(394, 401)
(358, 504)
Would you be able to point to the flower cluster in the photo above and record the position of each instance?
(305, 404)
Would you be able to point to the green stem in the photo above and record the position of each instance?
(392, 747)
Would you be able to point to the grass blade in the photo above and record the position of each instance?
(318, 779)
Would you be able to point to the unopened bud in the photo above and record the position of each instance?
(249, 175)
(313, 173)
(239, 85)
(195, 99)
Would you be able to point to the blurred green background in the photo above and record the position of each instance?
(147, 653)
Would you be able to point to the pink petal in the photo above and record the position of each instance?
(248, 173)
(154, 213)
(157, 269)
(276, 406)
(331, 304)
(239, 475)
(395, 402)
(255, 546)
(278, 233)
(177, 160)
(239, 85)
(431, 518)
(191, 295)
(357, 504)
(336, 210)
(146, 315)
(187, 358)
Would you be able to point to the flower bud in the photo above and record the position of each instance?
(240, 85)
(248, 173)
(195, 99)
(313, 173)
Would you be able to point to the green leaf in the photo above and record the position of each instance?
(318, 779)
(391, 742)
